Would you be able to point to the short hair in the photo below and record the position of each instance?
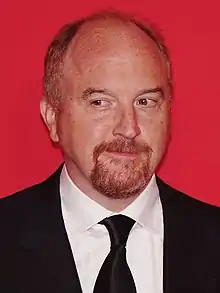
(57, 50)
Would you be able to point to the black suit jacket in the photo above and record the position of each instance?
(35, 254)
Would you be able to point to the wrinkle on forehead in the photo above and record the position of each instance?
(110, 40)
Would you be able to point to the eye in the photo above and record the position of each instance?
(99, 103)
(146, 102)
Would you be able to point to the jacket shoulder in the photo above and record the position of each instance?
(187, 205)
(17, 209)
(20, 199)
(31, 194)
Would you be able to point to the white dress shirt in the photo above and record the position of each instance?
(90, 241)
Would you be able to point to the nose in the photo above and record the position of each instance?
(127, 125)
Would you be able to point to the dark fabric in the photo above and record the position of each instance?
(36, 257)
(115, 275)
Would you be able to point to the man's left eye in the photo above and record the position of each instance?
(146, 102)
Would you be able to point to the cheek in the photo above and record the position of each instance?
(87, 134)
(91, 131)
(155, 130)
(94, 125)
(80, 134)
(157, 136)
(161, 137)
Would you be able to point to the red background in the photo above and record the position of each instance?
(191, 29)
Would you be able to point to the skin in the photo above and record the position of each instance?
(113, 125)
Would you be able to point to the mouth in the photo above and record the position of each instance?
(122, 155)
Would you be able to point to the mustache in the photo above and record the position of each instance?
(121, 146)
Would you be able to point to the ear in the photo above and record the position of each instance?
(48, 114)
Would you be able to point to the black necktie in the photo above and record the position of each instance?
(115, 275)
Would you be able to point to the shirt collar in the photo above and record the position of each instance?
(84, 212)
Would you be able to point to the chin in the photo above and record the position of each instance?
(121, 190)
(118, 184)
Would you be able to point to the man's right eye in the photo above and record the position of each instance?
(96, 103)
(100, 103)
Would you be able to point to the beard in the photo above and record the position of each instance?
(117, 178)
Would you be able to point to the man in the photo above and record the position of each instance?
(103, 222)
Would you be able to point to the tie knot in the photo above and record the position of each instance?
(118, 227)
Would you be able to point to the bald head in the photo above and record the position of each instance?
(98, 36)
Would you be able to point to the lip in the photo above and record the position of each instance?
(122, 155)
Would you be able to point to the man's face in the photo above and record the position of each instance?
(113, 126)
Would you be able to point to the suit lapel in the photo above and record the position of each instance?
(168, 258)
(188, 264)
(179, 252)
(44, 254)
(176, 245)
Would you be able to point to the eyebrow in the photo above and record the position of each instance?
(90, 91)
(156, 90)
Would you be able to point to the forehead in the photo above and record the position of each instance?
(104, 46)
